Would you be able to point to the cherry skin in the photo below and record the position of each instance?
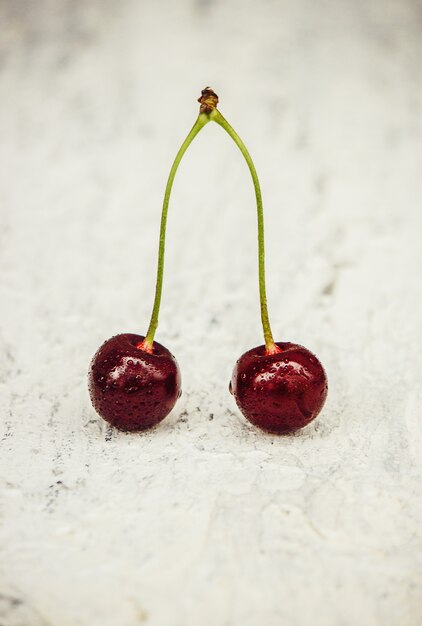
(281, 391)
(130, 387)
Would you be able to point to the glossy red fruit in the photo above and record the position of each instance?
(280, 392)
(132, 388)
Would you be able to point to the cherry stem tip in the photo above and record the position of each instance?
(145, 345)
(273, 348)
(208, 100)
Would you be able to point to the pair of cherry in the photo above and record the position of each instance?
(134, 382)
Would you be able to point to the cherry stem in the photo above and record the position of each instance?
(208, 112)
(147, 343)
(271, 347)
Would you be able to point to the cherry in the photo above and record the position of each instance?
(134, 381)
(279, 391)
(130, 387)
(279, 387)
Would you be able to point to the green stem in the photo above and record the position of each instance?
(147, 343)
(216, 116)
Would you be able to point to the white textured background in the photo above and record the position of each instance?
(206, 521)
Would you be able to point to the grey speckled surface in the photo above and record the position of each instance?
(205, 520)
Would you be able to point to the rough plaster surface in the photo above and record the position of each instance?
(205, 520)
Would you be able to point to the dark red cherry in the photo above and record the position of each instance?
(279, 392)
(131, 387)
